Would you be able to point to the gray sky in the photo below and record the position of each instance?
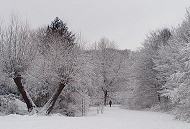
(125, 21)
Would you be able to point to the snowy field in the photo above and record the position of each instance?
(112, 118)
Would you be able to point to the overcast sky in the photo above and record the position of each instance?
(125, 21)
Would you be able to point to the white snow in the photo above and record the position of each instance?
(112, 118)
(21, 106)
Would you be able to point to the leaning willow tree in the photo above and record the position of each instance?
(17, 52)
(60, 53)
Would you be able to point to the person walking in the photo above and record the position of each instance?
(110, 103)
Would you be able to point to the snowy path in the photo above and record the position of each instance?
(113, 118)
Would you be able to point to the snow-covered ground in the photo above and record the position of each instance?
(112, 118)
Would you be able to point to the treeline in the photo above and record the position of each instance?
(161, 71)
(51, 71)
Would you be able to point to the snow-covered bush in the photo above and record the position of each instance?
(72, 104)
(10, 104)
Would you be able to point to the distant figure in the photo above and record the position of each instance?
(110, 103)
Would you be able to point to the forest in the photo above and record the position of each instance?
(50, 70)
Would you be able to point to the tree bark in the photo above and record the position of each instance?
(159, 98)
(25, 95)
(48, 107)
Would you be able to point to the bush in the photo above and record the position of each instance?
(9, 104)
(70, 104)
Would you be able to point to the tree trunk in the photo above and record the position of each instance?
(159, 98)
(105, 97)
(47, 108)
(30, 104)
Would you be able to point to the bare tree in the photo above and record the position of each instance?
(108, 66)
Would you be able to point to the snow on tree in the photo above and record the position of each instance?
(17, 49)
(62, 57)
(108, 66)
(172, 63)
(146, 92)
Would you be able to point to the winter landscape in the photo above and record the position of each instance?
(112, 118)
(53, 76)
